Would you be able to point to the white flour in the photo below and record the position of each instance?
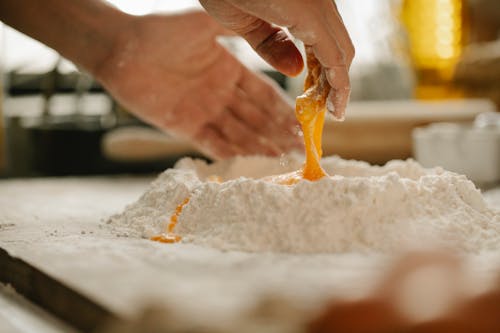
(362, 208)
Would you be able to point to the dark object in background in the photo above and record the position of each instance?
(61, 146)
(51, 144)
(485, 20)
(478, 70)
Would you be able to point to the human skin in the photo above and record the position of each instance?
(315, 22)
(169, 71)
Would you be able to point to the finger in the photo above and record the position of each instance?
(326, 34)
(337, 73)
(211, 142)
(224, 32)
(325, 31)
(249, 141)
(257, 117)
(265, 94)
(207, 21)
(284, 136)
(290, 140)
(272, 43)
(338, 28)
(339, 95)
(267, 97)
(248, 112)
(338, 98)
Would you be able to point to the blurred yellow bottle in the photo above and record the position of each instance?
(437, 32)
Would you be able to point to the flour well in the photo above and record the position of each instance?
(362, 208)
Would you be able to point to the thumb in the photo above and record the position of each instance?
(273, 44)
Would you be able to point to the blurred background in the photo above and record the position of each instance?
(426, 84)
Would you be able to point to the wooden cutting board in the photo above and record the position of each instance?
(58, 251)
(33, 214)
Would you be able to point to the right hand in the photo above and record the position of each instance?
(316, 22)
(171, 72)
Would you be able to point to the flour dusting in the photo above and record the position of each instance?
(362, 208)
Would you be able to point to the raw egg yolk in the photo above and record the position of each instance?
(170, 236)
(310, 109)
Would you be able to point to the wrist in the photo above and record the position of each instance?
(104, 30)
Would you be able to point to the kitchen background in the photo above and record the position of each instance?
(426, 84)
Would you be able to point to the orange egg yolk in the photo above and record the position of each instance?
(170, 236)
(310, 109)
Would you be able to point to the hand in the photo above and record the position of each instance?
(171, 72)
(317, 23)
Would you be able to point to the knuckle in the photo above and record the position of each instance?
(340, 58)
(351, 51)
(306, 35)
(246, 25)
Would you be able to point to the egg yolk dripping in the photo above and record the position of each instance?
(310, 109)
(170, 236)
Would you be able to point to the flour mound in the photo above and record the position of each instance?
(361, 208)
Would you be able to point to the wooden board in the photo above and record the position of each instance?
(52, 295)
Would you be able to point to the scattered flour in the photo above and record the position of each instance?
(362, 208)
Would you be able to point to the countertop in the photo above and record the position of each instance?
(59, 225)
